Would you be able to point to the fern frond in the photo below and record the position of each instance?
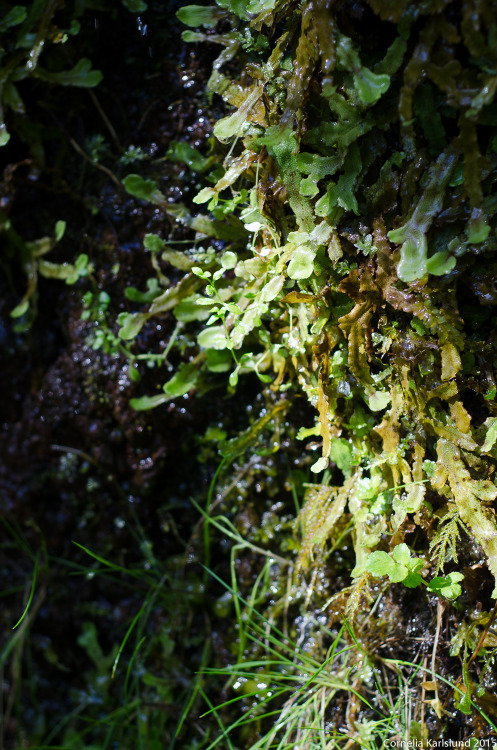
(443, 546)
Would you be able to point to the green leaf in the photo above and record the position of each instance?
(232, 308)
(399, 566)
(192, 36)
(231, 126)
(60, 228)
(414, 250)
(301, 264)
(135, 6)
(219, 361)
(189, 309)
(20, 309)
(205, 195)
(200, 15)
(238, 445)
(370, 86)
(412, 580)
(201, 273)
(341, 454)
(148, 402)
(153, 290)
(478, 229)
(62, 271)
(271, 290)
(491, 435)
(465, 705)
(179, 151)
(4, 135)
(134, 374)
(229, 260)
(320, 465)
(131, 324)
(145, 190)
(151, 242)
(401, 554)
(13, 17)
(381, 564)
(378, 400)
(447, 587)
(183, 380)
(213, 338)
(177, 259)
(80, 75)
(308, 187)
(440, 263)
(413, 258)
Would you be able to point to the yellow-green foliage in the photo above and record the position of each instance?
(358, 188)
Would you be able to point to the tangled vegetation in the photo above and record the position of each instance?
(339, 257)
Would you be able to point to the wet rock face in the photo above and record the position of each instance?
(59, 393)
(79, 407)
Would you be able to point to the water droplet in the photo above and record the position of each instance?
(142, 27)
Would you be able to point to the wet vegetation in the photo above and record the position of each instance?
(247, 322)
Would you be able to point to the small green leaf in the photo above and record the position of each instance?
(153, 290)
(148, 402)
(192, 36)
(465, 705)
(401, 554)
(60, 228)
(231, 126)
(301, 264)
(271, 290)
(183, 380)
(135, 6)
(80, 75)
(20, 309)
(341, 454)
(491, 435)
(233, 308)
(145, 190)
(308, 187)
(413, 259)
(440, 263)
(134, 374)
(13, 17)
(219, 361)
(201, 273)
(151, 242)
(378, 400)
(213, 338)
(398, 566)
(62, 271)
(200, 15)
(180, 151)
(412, 580)
(381, 564)
(229, 260)
(370, 86)
(131, 324)
(190, 309)
(205, 195)
(447, 587)
(320, 465)
(4, 135)
(478, 229)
